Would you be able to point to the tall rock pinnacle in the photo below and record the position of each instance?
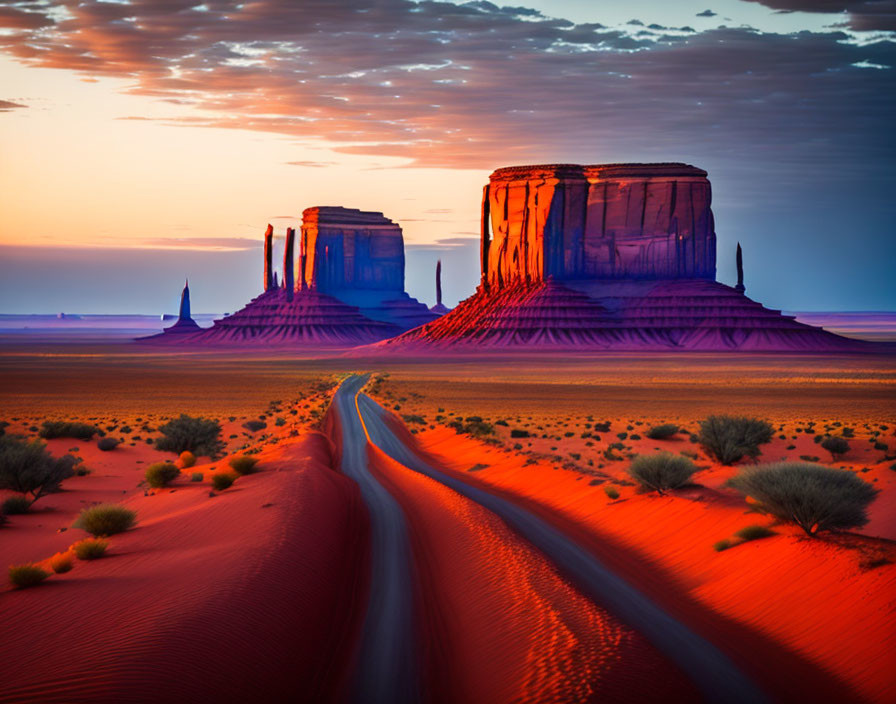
(739, 258)
(184, 313)
(439, 283)
(288, 266)
(268, 254)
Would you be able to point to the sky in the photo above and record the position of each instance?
(145, 141)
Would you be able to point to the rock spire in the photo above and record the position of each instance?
(268, 258)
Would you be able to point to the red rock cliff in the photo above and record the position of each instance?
(344, 248)
(604, 221)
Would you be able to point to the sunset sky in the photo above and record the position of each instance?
(145, 141)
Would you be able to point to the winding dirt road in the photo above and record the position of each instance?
(412, 648)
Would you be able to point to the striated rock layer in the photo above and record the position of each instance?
(609, 221)
(358, 257)
(668, 315)
(311, 318)
(608, 256)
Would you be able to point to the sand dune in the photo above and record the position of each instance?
(500, 625)
(232, 598)
(802, 615)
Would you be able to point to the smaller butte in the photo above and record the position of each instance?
(346, 289)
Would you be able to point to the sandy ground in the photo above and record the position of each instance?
(195, 559)
(209, 598)
(830, 601)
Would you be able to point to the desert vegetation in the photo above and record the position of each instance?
(28, 469)
(160, 474)
(813, 497)
(90, 548)
(67, 429)
(186, 459)
(223, 480)
(662, 432)
(243, 464)
(15, 505)
(107, 444)
(27, 575)
(662, 471)
(200, 436)
(61, 562)
(731, 438)
(106, 519)
(836, 445)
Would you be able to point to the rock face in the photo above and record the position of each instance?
(615, 256)
(350, 287)
(609, 221)
(347, 249)
(358, 258)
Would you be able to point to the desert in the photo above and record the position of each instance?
(447, 352)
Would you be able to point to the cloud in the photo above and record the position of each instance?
(12, 18)
(311, 164)
(707, 13)
(7, 105)
(205, 244)
(864, 15)
(477, 86)
(448, 242)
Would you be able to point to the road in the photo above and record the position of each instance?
(390, 617)
(387, 671)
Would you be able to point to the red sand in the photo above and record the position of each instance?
(778, 605)
(227, 599)
(500, 624)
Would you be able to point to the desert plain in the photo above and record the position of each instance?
(264, 586)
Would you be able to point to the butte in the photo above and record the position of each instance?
(608, 256)
(346, 289)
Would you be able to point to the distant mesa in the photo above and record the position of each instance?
(346, 289)
(607, 256)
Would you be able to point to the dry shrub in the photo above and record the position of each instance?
(90, 548)
(816, 498)
(223, 481)
(61, 562)
(731, 438)
(662, 471)
(244, 464)
(160, 474)
(106, 519)
(28, 575)
(201, 436)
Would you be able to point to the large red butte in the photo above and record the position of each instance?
(604, 221)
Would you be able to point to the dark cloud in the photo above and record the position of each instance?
(864, 15)
(7, 105)
(16, 19)
(477, 85)
(707, 13)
